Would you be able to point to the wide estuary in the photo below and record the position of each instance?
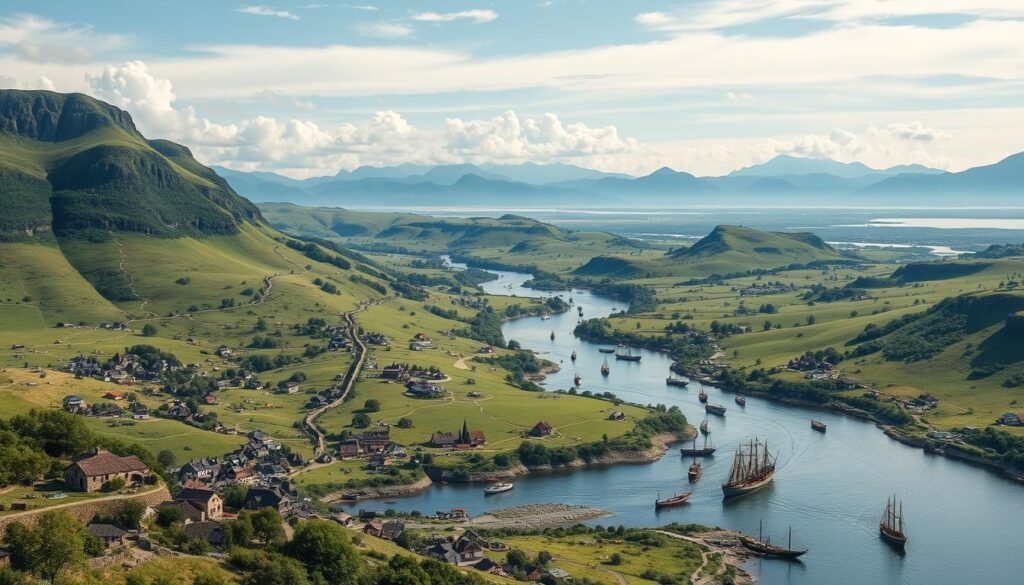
(831, 488)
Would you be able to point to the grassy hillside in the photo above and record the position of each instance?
(726, 250)
(508, 239)
(73, 165)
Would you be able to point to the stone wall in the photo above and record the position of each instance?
(85, 511)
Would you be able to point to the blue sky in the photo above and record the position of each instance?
(308, 88)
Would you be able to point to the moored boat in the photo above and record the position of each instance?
(498, 488)
(766, 548)
(673, 381)
(573, 356)
(628, 355)
(818, 425)
(577, 380)
(891, 527)
(753, 467)
(706, 451)
(552, 336)
(703, 396)
(545, 316)
(606, 349)
(695, 471)
(714, 409)
(604, 368)
(704, 428)
(676, 500)
(741, 400)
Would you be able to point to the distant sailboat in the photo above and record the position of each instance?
(704, 428)
(703, 396)
(552, 336)
(604, 368)
(673, 381)
(891, 527)
(573, 356)
(676, 500)
(695, 471)
(577, 380)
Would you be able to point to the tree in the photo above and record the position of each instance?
(168, 515)
(543, 558)
(405, 423)
(517, 558)
(277, 570)
(54, 544)
(149, 330)
(166, 459)
(361, 420)
(372, 405)
(210, 578)
(238, 532)
(234, 495)
(131, 514)
(326, 551)
(615, 559)
(266, 525)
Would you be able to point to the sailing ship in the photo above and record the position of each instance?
(580, 309)
(604, 368)
(627, 356)
(704, 428)
(545, 316)
(741, 400)
(753, 467)
(552, 336)
(498, 488)
(766, 548)
(714, 409)
(673, 381)
(705, 451)
(891, 526)
(676, 500)
(818, 425)
(573, 356)
(703, 396)
(606, 349)
(695, 471)
(577, 380)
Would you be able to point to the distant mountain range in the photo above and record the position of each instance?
(783, 180)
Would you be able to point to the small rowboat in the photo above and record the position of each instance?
(673, 501)
(695, 471)
(741, 400)
(703, 397)
(818, 425)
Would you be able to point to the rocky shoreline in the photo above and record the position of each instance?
(536, 516)
(370, 493)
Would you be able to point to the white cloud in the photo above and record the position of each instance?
(653, 19)
(383, 30)
(477, 16)
(267, 11)
(363, 7)
(739, 97)
(41, 40)
(41, 82)
(915, 131)
(131, 87)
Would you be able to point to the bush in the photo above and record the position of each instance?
(361, 420)
(113, 485)
(372, 405)
(149, 330)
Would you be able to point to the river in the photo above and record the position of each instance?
(963, 523)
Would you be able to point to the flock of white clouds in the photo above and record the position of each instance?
(860, 57)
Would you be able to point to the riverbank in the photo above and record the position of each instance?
(372, 493)
(660, 444)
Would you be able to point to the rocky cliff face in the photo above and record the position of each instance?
(52, 117)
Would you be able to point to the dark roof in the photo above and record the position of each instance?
(105, 463)
(195, 495)
(211, 532)
(106, 530)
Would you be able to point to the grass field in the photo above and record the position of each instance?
(584, 556)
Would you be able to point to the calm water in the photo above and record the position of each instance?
(964, 524)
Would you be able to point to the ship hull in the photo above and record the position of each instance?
(628, 358)
(770, 550)
(894, 539)
(732, 491)
(676, 382)
(698, 452)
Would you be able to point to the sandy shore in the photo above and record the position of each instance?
(536, 516)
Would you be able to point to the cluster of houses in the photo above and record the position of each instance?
(376, 446)
(812, 367)
(420, 342)
(404, 372)
(421, 389)
(921, 403)
(260, 462)
(374, 338)
(123, 368)
(475, 303)
(1010, 419)
(463, 439)
(325, 397)
(768, 288)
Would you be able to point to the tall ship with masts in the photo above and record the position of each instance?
(891, 527)
(753, 467)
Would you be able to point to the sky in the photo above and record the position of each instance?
(307, 88)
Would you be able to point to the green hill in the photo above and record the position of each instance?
(72, 165)
(101, 224)
(726, 250)
(509, 239)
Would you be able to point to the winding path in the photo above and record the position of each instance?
(350, 379)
